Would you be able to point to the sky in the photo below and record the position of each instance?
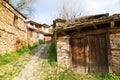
(45, 11)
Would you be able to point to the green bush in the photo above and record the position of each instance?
(24, 50)
(35, 45)
(13, 56)
(8, 58)
(109, 76)
(69, 75)
(52, 55)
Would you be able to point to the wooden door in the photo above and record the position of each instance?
(78, 54)
(89, 54)
(29, 33)
(98, 54)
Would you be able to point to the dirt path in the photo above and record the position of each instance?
(34, 68)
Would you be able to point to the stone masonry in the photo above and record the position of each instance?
(115, 52)
(13, 30)
(63, 52)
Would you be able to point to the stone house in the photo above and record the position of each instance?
(47, 34)
(13, 30)
(45, 28)
(90, 44)
(37, 32)
(34, 32)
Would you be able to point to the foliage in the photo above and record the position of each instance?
(71, 75)
(52, 55)
(9, 57)
(68, 74)
(34, 45)
(109, 76)
(11, 70)
(24, 6)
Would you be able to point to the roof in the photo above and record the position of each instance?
(45, 25)
(35, 23)
(44, 33)
(91, 20)
(59, 20)
(91, 17)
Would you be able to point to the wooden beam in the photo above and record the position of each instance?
(78, 29)
(94, 26)
(63, 33)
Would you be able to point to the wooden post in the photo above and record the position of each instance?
(109, 52)
(87, 53)
(112, 24)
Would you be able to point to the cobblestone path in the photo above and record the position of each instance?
(38, 67)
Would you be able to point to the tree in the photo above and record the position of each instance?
(69, 11)
(23, 6)
(7, 1)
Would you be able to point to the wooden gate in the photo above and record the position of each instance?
(98, 54)
(89, 54)
(78, 55)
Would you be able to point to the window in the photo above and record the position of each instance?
(44, 28)
(15, 20)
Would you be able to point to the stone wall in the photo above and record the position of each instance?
(115, 50)
(63, 52)
(13, 30)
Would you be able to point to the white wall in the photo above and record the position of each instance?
(45, 29)
(35, 36)
(31, 26)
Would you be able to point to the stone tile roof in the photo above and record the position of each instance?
(89, 21)
(35, 23)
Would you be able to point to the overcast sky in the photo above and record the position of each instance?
(46, 10)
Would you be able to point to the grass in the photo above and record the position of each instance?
(8, 58)
(70, 75)
(67, 75)
(109, 76)
(12, 69)
(13, 56)
(52, 55)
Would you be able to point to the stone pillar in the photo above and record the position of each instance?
(63, 52)
(115, 52)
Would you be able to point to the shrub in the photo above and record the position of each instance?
(109, 76)
(35, 45)
(52, 55)
(9, 57)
